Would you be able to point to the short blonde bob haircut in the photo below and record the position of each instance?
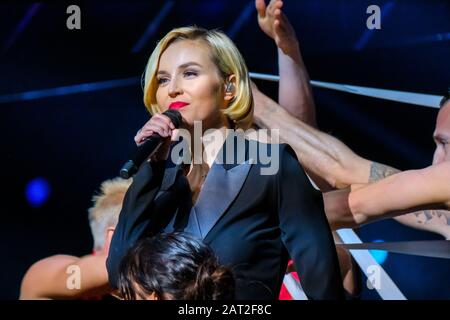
(226, 57)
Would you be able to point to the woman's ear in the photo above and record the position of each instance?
(230, 88)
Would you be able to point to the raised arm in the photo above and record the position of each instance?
(294, 91)
(332, 165)
(328, 161)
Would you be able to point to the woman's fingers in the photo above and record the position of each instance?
(159, 124)
(165, 119)
(162, 130)
(139, 138)
(175, 135)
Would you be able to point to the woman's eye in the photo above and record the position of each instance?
(162, 80)
(189, 73)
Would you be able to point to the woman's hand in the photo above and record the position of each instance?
(163, 126)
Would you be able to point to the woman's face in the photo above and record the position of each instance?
(189, 81)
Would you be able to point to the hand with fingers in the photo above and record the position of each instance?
(276, 25)
(162, 125)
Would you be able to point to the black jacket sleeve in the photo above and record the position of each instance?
(305, 230)
(136, 215)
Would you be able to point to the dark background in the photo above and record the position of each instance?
(75, 141)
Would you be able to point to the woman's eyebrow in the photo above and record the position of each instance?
(162, 72)
(183, 66)
(188, 64)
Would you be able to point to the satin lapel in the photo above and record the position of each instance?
(219, 190)
(171, 171)
(222, 185)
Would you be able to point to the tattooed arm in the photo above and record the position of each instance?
(332, 165)
(392, 196)
(437, 221)
(380, 171)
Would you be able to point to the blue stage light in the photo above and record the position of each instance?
(380, 256)
(37, 192)
(73, 89)
(153, 26)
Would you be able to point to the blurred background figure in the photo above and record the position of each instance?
(55, 277)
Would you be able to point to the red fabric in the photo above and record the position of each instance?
(284, 293)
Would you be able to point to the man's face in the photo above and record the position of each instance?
(442, 135)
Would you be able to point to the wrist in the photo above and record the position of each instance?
(265, 111)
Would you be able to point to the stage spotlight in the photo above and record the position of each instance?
(379, 255)
(37, 192)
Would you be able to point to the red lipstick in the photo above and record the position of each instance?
(177, 105)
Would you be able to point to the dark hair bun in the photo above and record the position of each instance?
(213, 282)
(174, 266)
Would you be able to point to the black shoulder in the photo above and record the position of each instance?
(276, 158)
(289, 163)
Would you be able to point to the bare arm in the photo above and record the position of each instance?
(332, 165)
(56, 278)
(403, 192)
(295, 94)
(437, 221)
(328, 161)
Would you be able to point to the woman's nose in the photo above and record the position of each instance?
(174, 88)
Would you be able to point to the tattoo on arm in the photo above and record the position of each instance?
(432, 217)
(380, 171)
(437, 221)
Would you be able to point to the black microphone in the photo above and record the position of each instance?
(146, 149)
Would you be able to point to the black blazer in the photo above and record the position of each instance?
(253, 222)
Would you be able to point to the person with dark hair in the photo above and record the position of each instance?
(173, 266)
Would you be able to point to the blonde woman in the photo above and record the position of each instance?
(253, 221)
